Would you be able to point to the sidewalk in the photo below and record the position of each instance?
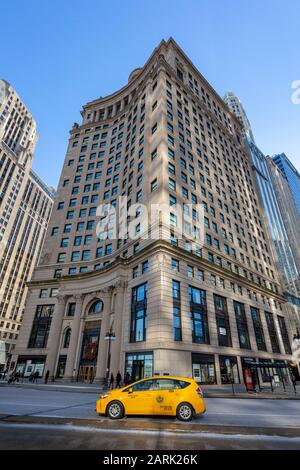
(216, 391)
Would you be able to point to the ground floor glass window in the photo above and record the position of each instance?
(204, 370)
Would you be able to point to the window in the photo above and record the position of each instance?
(108, 249)
(222, 320)
(55, 231)
(242, 326)
(145, 267)
(43, 293)
(176, 311)
(272, 332)
(258, 329)
(71, 309)
(174, 264)
(284, 335)
(138, 313)
(41, 326)
(67, 337)
(154, 185)
(198, 312)
(96, 307)
(54, 292)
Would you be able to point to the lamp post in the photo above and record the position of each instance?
(110, 336)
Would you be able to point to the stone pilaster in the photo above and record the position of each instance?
(55, 336)
(105, 295)
(70, 371)
(118, 329)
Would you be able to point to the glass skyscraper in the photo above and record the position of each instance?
(292, 176)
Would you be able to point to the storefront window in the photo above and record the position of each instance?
(138, 366)
(29, 365)
(229, 370)
(204, 371)
(61, 366)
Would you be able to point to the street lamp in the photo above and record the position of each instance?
(110, 336)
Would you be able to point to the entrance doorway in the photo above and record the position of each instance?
(138, 366)
(137, 370)
(87, 374)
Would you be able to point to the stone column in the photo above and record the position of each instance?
(55, 336)
(115, 364)
(105, 296)
(75, 328)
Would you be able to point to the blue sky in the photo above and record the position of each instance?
(60, 54)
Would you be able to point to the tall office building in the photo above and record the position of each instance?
(162, 304)
(280, 212)
(292, 176)
(25, 207)
(236, 107)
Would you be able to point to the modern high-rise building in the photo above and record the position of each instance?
(281, 213)
(144, 302)
(25, 207)
(292, 176)
(236, 107)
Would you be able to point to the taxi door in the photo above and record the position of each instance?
(166, 397)
(139, 399)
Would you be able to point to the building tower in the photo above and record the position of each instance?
(25, 207)
(292, 176)
(236, 107)
(171, 305)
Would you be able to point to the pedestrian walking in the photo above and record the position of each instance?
(112, 380)
(47, 376)
(36, 376)
(118, 379)
(127, 378)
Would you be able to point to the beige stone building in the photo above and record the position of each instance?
(25, 207)
(214, 312)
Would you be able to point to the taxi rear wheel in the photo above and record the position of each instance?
(115, 410)
(185, 412)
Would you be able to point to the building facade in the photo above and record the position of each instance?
(292, 176)
(143, 305)
(25, 207)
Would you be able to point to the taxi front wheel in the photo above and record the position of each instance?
(185, 412)
(115, 410)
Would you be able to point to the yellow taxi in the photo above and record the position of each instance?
(160, 395)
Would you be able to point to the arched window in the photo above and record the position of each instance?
(96, 307)
(67, 338)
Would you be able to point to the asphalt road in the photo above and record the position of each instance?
(228, 424)
(220, 411)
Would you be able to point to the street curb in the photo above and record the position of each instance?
(141, 425)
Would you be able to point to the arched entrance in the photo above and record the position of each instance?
(90, 342)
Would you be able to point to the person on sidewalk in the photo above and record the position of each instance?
(127, 378)
(112, 380)
(35, 376)
(47, 376)
(118, 379)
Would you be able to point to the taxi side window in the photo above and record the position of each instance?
(166, 384)
(146, 385)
